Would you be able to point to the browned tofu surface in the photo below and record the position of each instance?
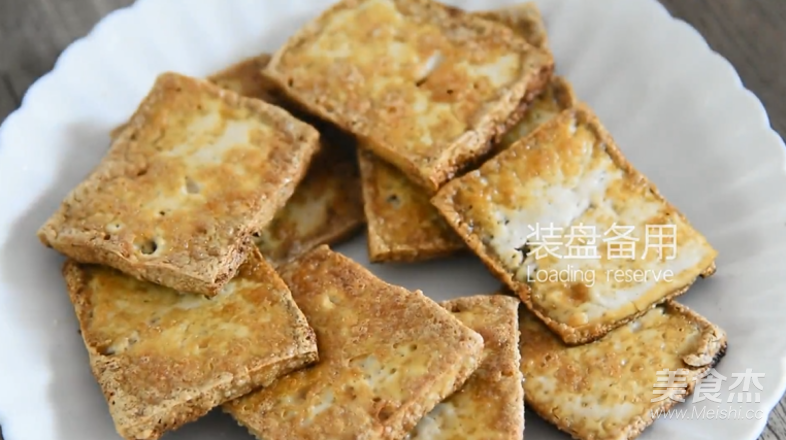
(196, 171)
(163, 358)
(425, 86)
(402, 223)
(387, 357)
(605, 390)
(566, 222)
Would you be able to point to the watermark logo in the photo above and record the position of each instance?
(670, 385)
(707, 413)
(673, 385)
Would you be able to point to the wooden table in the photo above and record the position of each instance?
(750, 33)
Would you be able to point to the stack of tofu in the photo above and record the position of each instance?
(199, 268)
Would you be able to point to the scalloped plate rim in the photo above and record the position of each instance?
(127, 12)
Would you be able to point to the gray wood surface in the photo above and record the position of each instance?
(749, 33)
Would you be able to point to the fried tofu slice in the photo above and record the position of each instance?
(584, 239)
(608, 390)
(387, 357)
(175, 200)
(164, 358)
(423, 85)
(403, 225)
(490, 405)
(327, 206)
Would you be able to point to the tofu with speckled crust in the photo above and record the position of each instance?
(176, 198)
(163, 358)
(388, 356)
(423, 85)
(565, 221)
(402, 223)
(326, 207)
(490, 405)
(607, 390)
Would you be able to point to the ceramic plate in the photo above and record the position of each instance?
(678, 111)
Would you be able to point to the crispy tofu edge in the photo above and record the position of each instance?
(444, 201)
(169, 417)
(710, 352)
(469, 147)
(81, 247)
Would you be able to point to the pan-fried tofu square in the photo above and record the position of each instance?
(612, 389)
(490, 405)
(403, 225)
(387, 357)
(567, 223)
(164, 358)
(197, 170)
(425, 86)
(327, 205)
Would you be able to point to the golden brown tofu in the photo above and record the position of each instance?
(425, 86)
(403, 225)
(608, 390)
(327, 206)
(182, 188)
(164, 358)
(490, 405)
(387, 357)
(567, 223)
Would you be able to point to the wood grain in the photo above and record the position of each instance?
(749, 33)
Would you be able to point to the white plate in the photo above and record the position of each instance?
(677, 109)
